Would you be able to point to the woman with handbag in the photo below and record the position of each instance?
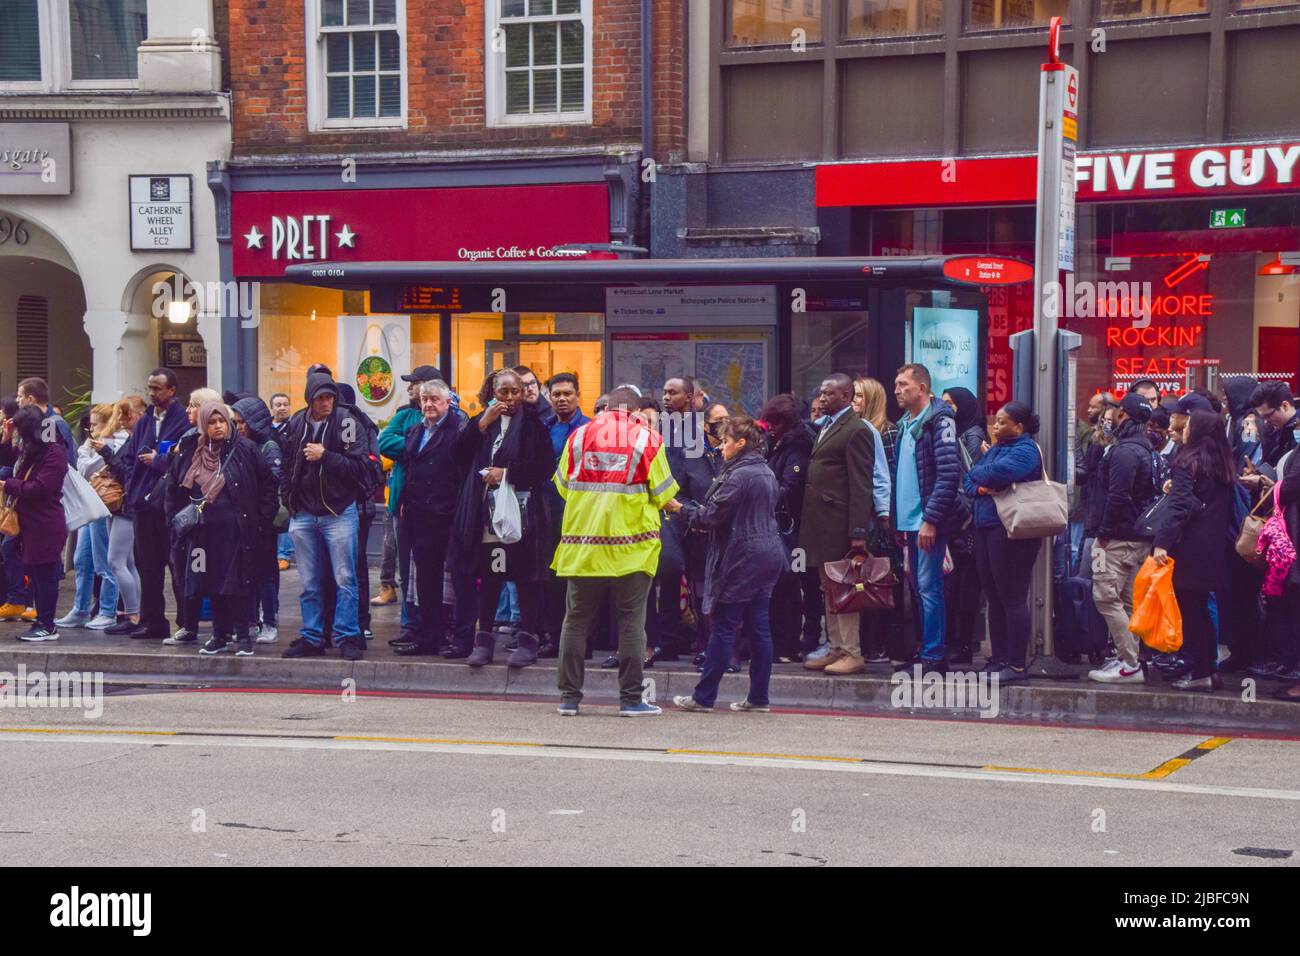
(745, 559)
(121, 529)
(34, 497)
(505, 450)
(220, 502)
(1193, 532)
(1005, 564)
(91, 556)
(790, 442)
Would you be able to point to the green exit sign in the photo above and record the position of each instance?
(1227, 218)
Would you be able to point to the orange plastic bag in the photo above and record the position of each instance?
(1156, 618)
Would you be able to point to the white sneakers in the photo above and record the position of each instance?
(72, 619)
(267, 635)
(1117, 672)
(101, 622)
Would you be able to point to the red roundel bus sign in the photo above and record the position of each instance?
(988, 270)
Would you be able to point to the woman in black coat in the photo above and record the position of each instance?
(36, 491)
(790, 443)
(506, 441)
(230, 478)
(745, 559)
(1194, 533)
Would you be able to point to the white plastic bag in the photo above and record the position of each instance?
(81, 505)
(507, 520)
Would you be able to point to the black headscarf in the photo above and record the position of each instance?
(968, 408)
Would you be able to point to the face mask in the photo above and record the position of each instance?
(1249, 431)
(1107, 427)
(1094, 417)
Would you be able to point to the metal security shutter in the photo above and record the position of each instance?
(33, 337)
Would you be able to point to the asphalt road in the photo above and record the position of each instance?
(229, 778)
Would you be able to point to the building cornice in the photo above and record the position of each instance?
(125, 105)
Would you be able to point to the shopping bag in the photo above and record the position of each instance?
(1157, 621)
(507, 519)
(81, 503)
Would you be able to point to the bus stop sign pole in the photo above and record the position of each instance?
(1058, 110)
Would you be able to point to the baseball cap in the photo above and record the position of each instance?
(423, 373)
(1192, 402)
(1136, 407)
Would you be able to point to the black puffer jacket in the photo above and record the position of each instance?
(1125, 486)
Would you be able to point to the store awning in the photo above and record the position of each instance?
(965, 271)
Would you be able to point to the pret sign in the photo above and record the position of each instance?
(162, 213)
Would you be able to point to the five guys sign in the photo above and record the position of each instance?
(1149, 174)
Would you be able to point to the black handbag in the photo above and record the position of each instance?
(1150, 521)
(187, 519)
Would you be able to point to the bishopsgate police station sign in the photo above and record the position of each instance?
(35, 159)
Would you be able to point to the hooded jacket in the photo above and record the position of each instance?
(1238, 392)
(788, 460)
(261, 431)
(330, 485)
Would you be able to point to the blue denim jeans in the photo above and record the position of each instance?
(284, 547)
(1076, 548)
(724, 627)
(926, 578)
(91, 560)
(327, 544)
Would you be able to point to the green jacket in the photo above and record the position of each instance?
(392, 444)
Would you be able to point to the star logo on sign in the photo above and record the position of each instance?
(345, 237)
(254, 238)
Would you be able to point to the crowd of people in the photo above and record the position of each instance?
(659, 529)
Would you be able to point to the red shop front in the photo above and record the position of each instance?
(371, 344)
(1183, 273)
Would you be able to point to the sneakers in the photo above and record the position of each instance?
(689, 703)
(11, 612)
(352, 648)
(29, 614)
(72, 619)
(267, 634)
(215, 645)
(745, 706)
(302, 647)
(121, 628)
(1117, 672)
(244, 648)
(39, 632)
(640, 709)
(100, 623)
(183, 635)
(284, 565)
(610, 662)
(567, 708)
(387, 595)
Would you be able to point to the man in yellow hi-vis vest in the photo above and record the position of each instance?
(614, 478)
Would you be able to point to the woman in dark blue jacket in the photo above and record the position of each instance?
(745, 559)
(1005, 566)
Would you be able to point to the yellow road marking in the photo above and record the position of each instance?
(79, 731)
(1159, 773)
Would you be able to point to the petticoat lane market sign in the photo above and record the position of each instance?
(35, 159)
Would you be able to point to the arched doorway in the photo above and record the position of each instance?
(167, 319)
(42, 307)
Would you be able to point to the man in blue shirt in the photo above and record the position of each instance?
(927, 507)
(564, 419)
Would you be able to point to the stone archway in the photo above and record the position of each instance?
(42, 304)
